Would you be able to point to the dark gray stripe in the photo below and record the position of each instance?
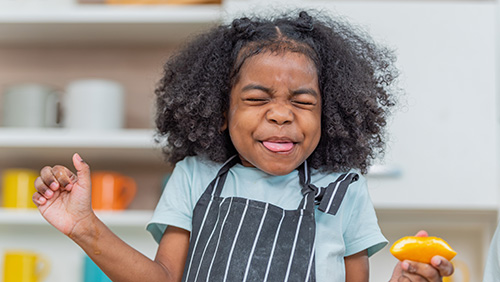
(228, 235)
(268, 268)
(210, 237)
(196, 234)
(294, 245)
(255, 243)
(234, 243)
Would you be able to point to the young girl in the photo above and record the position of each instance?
(271, 123)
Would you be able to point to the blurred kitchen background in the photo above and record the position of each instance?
(440, 172)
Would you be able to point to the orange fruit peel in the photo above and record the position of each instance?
(421, 249)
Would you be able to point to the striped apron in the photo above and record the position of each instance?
(238, 239)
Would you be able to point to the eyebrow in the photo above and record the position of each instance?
(256, 87)
(305, 91)
(268, 90)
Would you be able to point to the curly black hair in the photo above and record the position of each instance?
(356, 80)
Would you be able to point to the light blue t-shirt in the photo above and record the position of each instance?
(354, 228)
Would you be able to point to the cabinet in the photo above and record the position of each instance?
(440, 169)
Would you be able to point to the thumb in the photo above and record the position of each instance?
(82, 170)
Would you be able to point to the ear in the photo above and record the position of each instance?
(224, 125)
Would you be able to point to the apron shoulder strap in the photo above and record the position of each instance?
(329, 198)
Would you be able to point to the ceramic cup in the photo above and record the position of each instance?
(24, 266)
(30, 105)
(18, 187)
(112, 190)
(94, 104)
(92, 273)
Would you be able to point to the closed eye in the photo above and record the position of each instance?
(303, 103)
(256, 99)
(306, 98)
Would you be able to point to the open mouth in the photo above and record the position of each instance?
(278, 146)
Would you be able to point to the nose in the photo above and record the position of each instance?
(280, 114)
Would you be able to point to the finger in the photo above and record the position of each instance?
(444, 266)
(408, 277)
(423, 270)
(64, 176)
(422, 233)
(48, 178)
(43, 189)
(399, 275)
(82, 170)
(38, 199)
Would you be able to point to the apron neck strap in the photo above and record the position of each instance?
(328, 198)
(304, 177)
(307, 202)
(218, 182)
(215, 187)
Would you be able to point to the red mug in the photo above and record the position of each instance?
(112, 190)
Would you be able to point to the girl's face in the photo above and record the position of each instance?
(274, 117)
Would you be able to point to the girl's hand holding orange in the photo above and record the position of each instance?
(422, 258)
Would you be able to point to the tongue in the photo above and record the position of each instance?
(278, 147)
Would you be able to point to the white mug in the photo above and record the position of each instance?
(94, 104)
(30, 105)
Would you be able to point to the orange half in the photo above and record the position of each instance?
(421, 249)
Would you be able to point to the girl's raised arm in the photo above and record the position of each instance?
(417, 271)
(64, 200)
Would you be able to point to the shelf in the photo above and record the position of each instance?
(31, 217)
(19, 147)
(58, 137)
(90, 24)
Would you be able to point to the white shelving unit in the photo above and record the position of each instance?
(128, 150)
(33, 148)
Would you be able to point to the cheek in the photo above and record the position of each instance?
(315, 126)
(235, 124)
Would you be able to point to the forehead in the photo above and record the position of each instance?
(276, 46)
(279, 66)
(289, 63)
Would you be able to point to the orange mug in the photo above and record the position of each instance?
(112, 190)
